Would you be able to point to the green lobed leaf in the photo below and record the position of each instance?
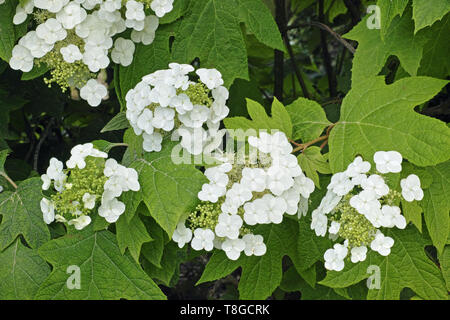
(219, 266)
(169, 190)
(436, 204)
(153, 250)
(22, 271)
(279, 120)
(118, 122)
(179, 9)
(168, 271)
(259, 21)
(106, 146)
(399, 40)
(376, 116)
(413, 213)
(427, 12)
(444, 260)
(308, 119)
(435, 61)
(389, 9)
(22, 215)
(311, 247)
(135, 149)
(292, 281)
(211, 32)
(132, 235)
(104, 272)
(334, 8)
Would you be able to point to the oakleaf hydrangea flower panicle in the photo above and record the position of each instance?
(241, 195)
(89, 181)
(74, 38)
(167, 100)
(358, 203)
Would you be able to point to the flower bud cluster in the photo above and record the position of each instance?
(88, 182)
(358, 203)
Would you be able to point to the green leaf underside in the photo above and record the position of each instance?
(104, 272)
(376, 116)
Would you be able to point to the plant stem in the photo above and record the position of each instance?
(303, 146)
(332, 82)
(278, 67)
(39, 145)
(324, 27)
(4, 175)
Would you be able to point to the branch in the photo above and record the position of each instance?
(353, 7)
(4, 175)
(303, 146)
(278, 67)
(41, 141)
(332, 81)
(295, 66)
(328, 29)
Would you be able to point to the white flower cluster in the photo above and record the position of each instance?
(254, 194)
(82, 32)
(358, 203)
(167, 97)
(84, 182)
